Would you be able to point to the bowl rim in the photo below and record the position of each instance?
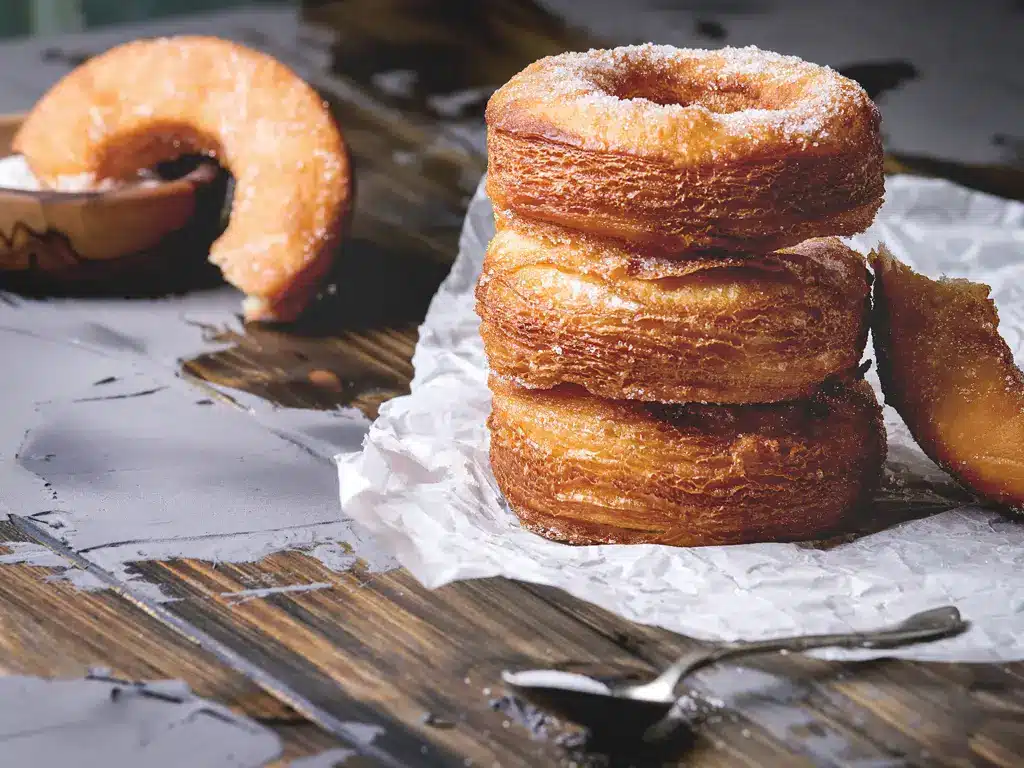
(204, 174)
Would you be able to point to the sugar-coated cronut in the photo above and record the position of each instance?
(153, 100)
(951, 376)
(675, 149)
(557, 306)
(586, 470)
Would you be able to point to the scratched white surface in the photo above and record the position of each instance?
(76, 722)
(103, 441)
(158, 724)
(422, 484)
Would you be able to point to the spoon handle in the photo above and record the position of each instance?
(921, 627)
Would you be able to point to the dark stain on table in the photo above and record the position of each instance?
(710, 29)
(66, 57)
(1013, 148)
(879, 77)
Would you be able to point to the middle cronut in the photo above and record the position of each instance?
(559, 307)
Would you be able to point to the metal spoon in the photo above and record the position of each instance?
(586, 701)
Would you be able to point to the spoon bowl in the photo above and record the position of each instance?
(583, 700)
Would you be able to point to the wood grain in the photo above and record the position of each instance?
(378, 647)
(387, 642)
(50, 628)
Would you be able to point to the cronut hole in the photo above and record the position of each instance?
(717, 96)
(169, 148)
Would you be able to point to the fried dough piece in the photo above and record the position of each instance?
(559, 307)
(585, 470)
(148, 101)
(677, 149)
(950, 375)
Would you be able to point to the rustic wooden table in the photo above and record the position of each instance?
(379, 648)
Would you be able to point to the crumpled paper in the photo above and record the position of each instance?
(423, 487)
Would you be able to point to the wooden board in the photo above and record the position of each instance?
(51, 628)
(379, 648)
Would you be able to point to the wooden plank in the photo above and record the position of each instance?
(53, 628)
(50, 628)
(304, 739)
(387, 642)
(855, 703)
(395, 747)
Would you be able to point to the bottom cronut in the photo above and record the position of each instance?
(584, 470)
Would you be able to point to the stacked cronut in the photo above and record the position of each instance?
(673, 328)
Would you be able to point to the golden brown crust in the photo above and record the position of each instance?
(584, 470)
(559, 307)
(947, 371)
(677, 149)
(154, 100)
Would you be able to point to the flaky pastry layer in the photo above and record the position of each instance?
(951, 376)
(559, 307)
(585, 470)
(676, 149)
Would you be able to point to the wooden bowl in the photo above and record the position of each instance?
(140, 240)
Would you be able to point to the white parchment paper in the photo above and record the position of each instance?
(422, 485)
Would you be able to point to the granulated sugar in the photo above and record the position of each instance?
(15, 174)
(793, 103)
